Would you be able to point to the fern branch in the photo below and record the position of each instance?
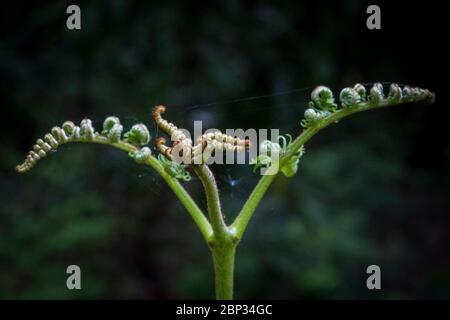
(324, 111)
(132, 144)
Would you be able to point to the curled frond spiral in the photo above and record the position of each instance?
(322, 98)
(270, 151)
(290, 168)
(361, 90)
(141, 156)
(69, 128)
(349, 97)
(112, 129)
(87, 131)
(162, 148)
(176, 135)
(109, 123)
(376, 93)
(175, 170)
(138, 135)
(395, 93)
(163, 124)
(313, 116)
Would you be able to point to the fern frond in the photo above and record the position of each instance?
(187, 152)
(85, 132)
(322, 103)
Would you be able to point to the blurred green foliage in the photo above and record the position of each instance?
(371, 190)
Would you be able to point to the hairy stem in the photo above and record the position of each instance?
(223, 258)
(240, 224)
(223, 244)
(213, 201)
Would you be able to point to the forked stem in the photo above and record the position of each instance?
(223, 243)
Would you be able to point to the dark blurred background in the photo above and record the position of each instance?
(373, 189)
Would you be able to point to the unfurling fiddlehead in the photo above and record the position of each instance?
(176, 170)
(322, 98)
(58, 136)
(162, 148)
(322, 108)
(349, 97)
(395, 93)
(313, 116)
(321, 104)
(141, 156)
(361, 90)
(112, 128)
(322, 101)
(138, 135)
(271, 151)
(376, 93)
(85, 132)
(182, 148)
